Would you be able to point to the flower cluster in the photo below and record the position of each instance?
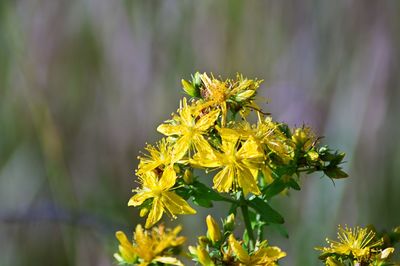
(205, 134)
(357, 246)
(159, 245)
(222, 248)
(211, 139)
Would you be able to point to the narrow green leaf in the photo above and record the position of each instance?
(267, 213)
(274, 188)
(293, 184)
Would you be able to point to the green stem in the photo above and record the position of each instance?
(229, 200)
(260, 230)
(247, 222)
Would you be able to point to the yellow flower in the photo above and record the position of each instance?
(237, 163)
(304, 138)
(358, 242)
(149, 246)
(266, 132)
(189, 129)
(213, 230)
(164, 200)
(159, 156)
(219, 93)
(264, 255)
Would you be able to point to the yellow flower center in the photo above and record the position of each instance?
(218, 93)
(230, 159)
(157, 191)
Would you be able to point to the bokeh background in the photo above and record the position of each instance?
(84, 84)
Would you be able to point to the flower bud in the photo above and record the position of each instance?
(332, 262)
(203, 257)
(313, 155)
(229, 223)
(303, 138)
(177, 169)
(245, 95)
(203, 241)
(190, 89)
(188, 177)
(213, 229)
(143, 212)
(196, 80)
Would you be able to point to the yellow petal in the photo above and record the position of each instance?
(205, 157)
(175, 204)
(186, 113)
(155, 214)
(170, 130)
(229, 134)
(250, 150)
(168, 178)
(223, 180)
(246, 181)
(200, 143)
(168, 261)
(238, 250)
(139, 198)
(122, 238)
(181, 147)
(274, 253)
(206, 121)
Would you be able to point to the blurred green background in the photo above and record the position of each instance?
(84, 84)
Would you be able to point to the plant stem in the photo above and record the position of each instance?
(229, 200)
(260, 231)
(247, 222)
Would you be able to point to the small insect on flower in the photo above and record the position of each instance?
(164, 199)
(157, 245)
(188, 128)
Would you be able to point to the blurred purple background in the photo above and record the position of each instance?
(84, 84)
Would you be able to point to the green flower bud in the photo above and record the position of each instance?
(190, 89)
(229, 223)
(245, 95)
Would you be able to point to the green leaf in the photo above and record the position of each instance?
(293, 184)
(202, 190)
(335, 173)
(280, 229)
(274, 188)
(267, 213)
(203, 195)
(199, 201)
